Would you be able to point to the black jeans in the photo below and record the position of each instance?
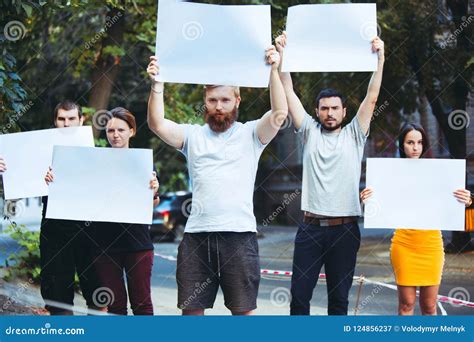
(334, 247)
(66, 247)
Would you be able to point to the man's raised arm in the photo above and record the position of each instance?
(169, 131)
(270, 123)
(366, 109)
(297, 111)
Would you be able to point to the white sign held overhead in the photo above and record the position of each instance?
(330, 38)
(213, 44)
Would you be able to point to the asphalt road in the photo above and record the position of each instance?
(276, 251)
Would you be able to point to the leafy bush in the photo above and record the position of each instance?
(24, 263)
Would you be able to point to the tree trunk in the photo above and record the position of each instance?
(106, 67)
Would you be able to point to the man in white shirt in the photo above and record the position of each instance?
(219, 247)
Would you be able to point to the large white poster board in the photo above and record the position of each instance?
(28, 157)
(213, 44)
(330, 37)
(415, 193)
(101, 184)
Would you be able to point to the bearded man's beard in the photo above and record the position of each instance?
(221, 121)
(331, 128)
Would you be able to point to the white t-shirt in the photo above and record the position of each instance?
(222, 169)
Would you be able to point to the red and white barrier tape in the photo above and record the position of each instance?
(272, 272)
(441, 298)
(454, 301)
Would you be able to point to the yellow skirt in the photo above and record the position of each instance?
(417, 257)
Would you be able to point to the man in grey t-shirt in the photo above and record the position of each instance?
(219, 247)
(332, 157)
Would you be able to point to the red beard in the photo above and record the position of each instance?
(221, 121)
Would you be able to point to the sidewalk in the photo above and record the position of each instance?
(12, 302)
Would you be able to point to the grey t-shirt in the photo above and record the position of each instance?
(331, 168)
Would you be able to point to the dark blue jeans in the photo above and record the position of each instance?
(334, 247)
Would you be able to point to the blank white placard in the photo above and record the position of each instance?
(28, 157)
(330, 37)
(415, 193)
(213, 44)
(101, 184)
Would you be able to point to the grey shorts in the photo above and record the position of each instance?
(209, 260)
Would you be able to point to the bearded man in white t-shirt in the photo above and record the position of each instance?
(219, 247)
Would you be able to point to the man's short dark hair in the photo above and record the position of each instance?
(328, 92)
(67, 105)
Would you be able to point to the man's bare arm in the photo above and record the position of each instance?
(297, 111)
(269, 125)
(367, 107)
(169, 131)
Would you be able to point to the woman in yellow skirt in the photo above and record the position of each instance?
(417, 256)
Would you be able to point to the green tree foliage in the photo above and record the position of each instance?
(67, 43)
(24, 263)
